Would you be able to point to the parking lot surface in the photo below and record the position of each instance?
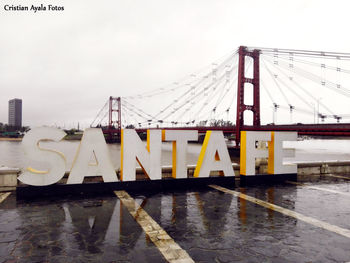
(304, 222)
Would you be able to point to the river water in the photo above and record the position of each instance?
(11, 152)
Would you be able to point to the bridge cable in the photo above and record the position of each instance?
(304, 90)
(273, 77)
(98, 114)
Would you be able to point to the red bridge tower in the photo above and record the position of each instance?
(255, 81)
(114, 106)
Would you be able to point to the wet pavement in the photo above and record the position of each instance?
(210, 225)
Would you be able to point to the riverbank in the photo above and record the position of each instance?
(10, 139)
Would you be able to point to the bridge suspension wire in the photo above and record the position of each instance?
(130, 115)
(283, 83)
(218, 85)
(224, 93)
(299, 81)
(218, 92)
(102, 115)
(233, 82)
(140, 110)
(334, 85)
(311, 96)
(208, 98)
(104, 111)
(135, 112)
(298, 72)
(132, 110)
(182, 97)
(302, 110)
(125, 119)
(304, 53)
(180, 110)
(276, 105)
(273, 77)
(267, 91)
(201, 113)
(232, 101)
(318, 80)
(301, 98)
(192, 94)
(336, 68)
(182, 81)
(327, 108)
(315, 64)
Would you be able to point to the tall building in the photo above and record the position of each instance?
(15, 113)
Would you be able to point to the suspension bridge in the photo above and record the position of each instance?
(253, 89)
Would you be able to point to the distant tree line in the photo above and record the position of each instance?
(216, 123)
(7, 128)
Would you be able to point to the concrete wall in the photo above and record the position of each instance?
(309, 168)
(8, 176)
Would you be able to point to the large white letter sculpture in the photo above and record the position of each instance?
(249, 151)
(93, 159)
(57, 161)
(92, 147)
(277, 152)
(133, 149)
(214, 156)
(180, 140)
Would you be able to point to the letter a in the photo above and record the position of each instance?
(213, 156)
(92, 144)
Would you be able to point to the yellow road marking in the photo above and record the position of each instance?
(166, 245)
(3, 196)
(313, 221)
(296, 183)
(319, 188)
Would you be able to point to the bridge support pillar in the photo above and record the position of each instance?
(114, 124)
(255, 81)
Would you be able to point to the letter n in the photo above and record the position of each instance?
(134, 150)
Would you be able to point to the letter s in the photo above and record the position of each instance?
(33, 150)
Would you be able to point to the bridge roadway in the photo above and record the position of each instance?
(324, 129)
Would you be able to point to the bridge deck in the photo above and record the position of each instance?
(326, 129)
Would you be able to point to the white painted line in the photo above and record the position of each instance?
(320, 188)
(313, 221)
(3, 196)
(166, 245)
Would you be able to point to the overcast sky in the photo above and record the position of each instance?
(65, 65)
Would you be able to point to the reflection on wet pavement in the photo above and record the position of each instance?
(211, 226)
(95, 230)
(171, 251)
